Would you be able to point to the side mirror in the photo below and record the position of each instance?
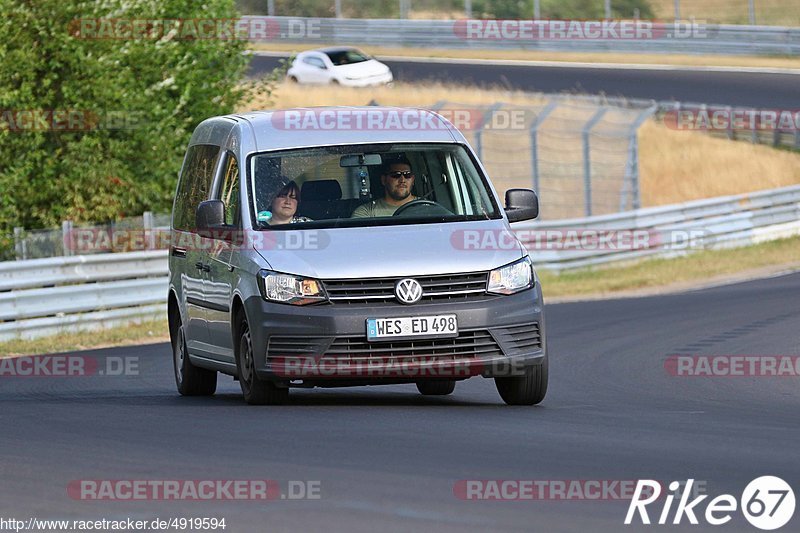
(521, 204)
(210, 215)
(210, 222)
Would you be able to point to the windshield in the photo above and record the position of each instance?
(347, 57)
(368, 185)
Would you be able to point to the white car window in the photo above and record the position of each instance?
(314, 61)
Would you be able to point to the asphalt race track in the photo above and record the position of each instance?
(747, 89)
(387, 458)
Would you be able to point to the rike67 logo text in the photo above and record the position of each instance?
(767, 503)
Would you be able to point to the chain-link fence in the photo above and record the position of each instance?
(147, 232)
(762, 12)
(579, 154)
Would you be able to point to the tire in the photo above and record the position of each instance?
(439, 387)
(292, 79)
(189, 379)
(529, 389)
(254, 390)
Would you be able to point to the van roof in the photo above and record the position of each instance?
(305, 127)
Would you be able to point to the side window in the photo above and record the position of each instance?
(195, 182)
(229, 190)
(314, 61)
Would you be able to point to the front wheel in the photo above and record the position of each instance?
(255, 390)
(528, 389)
(189, 379)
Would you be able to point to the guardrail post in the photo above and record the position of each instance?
(337, 8)
(537, 9)
(147, 226)
(587, 162)
(405, 6)
(66, 236)
(271, 8)
(729, 129)
(551, 105)
(632, 166)
(479, 133)
(19, 244)
(607, 9)
(677, 9)
(752, 10)
(468, 8)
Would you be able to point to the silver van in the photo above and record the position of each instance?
(349, 246)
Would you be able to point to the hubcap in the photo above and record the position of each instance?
(247, 357)
(179, 356)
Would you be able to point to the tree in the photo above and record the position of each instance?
(94, 125)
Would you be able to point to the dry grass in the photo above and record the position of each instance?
(401, 94)
(143, 333)
(771, 257)
(675, 166)
(569, 57)
(772, 12)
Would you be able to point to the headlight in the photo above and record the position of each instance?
(512, 278)
(288, 289)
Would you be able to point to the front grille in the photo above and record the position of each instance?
(356, 349)
(447, 287)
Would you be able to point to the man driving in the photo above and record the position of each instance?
(397, 180)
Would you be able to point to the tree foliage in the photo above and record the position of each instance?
(146, 94)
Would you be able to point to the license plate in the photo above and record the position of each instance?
(412, 327)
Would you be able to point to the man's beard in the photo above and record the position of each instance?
(399, 196)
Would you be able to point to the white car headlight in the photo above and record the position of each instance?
(288, 289)
(512, 278)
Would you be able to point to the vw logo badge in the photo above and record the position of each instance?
(408, 291)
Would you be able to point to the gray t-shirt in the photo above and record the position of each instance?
(375, 208)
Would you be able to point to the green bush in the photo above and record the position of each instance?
(157, 90)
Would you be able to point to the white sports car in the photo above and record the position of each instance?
(341, 65)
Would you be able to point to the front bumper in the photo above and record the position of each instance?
(328, 341)
(381, 79)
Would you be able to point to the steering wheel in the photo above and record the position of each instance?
(428, 207)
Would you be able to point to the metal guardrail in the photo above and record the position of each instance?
(689, 38)
(664, 231)
(43, 297)
(47, 296)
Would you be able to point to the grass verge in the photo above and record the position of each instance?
(678, 273)
(144, 333)
(687, 60)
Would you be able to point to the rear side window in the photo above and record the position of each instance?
(314, 61)
(195, 182)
